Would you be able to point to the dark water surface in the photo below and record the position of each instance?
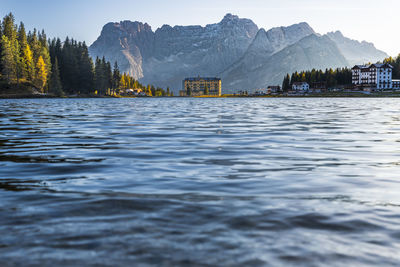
(218, 182)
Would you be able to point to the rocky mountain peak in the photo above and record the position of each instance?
(229, 17)
(126, 26)
(234, 48)
(356, 52)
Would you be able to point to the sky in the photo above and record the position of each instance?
(375, 21)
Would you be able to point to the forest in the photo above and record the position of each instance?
(330, 77)
(31, 61)
(340, 77)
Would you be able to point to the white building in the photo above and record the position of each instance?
(396, 84)
(300, 86)
(374, 76)
(273, 89)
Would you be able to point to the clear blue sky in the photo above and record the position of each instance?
(371, 20)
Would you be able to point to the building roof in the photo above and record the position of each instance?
(376, 65)
(203, 78)
(300, 83)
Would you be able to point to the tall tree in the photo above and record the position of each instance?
(286, 83)
(7, 60)
(41, 75)
(55, 81)
(86, 72)
(26, 65)
(9, 29)
(116, 76)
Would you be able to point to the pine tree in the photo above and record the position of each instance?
(286, 83)
(41, 75)
(55, 82)
(9, 29)
(116, 76)
(206, 91)
(98, 75)
(188, 91)
(108, 76)
(25, 53)
(7, 60)
(85, 67)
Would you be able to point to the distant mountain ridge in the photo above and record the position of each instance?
(235, 49)
(356, 52)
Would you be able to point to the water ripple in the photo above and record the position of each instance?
(199, 182)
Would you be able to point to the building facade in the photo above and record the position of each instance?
(374, 76)
(396, 84)
(201, 86)
(272, 89)
(300, 87)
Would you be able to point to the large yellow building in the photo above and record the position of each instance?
(201, 86)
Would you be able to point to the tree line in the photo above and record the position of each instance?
(332, 78)
(329, 77)
(395, 62)
(23, 57)
(57, 67)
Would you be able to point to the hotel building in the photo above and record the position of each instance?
(201, 86)
(300, 87)
(373, 77)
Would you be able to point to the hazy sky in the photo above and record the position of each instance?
(370, 20)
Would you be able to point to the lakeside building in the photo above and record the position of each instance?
(272, 89)
(201, 86)
(396, 84)
(300, 87)
(373, 77)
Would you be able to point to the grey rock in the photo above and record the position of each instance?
(356, 52)
(312, 51)
(234, 49)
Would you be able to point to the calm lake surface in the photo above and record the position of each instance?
(218, 182)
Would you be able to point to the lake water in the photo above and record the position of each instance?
(218, 182)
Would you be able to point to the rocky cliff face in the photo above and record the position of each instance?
(267, 43)
(235, 49)
(310, 52)
(194, 50)
(128, 43)
(356, 52)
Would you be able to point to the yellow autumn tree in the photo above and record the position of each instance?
(27, 59)
(41, 73)
(122, 82)
(149, 93)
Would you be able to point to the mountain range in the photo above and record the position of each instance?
(235, 49)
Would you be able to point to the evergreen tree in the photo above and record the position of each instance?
(108, 76)
(98, 76)
(7, 60)
(286, 83)
(116, 76)
(86, 73)
(55, 82)
(26, 58)
(41, 75)
(9, 29)
(206, 91)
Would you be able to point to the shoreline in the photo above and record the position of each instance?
(335, 95)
